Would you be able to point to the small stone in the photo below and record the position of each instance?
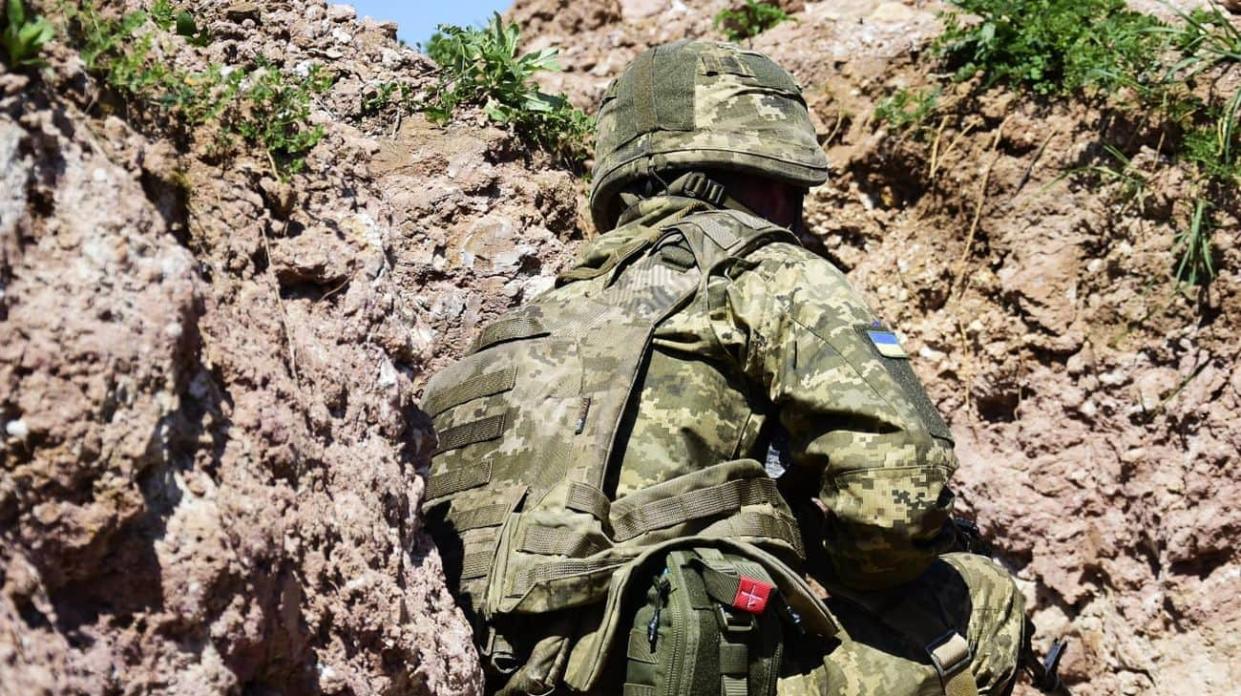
(17, 428)
(892, 12)
(341, 13)
(241, 11)
(637, 9)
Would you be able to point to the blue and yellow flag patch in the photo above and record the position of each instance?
(887, 343)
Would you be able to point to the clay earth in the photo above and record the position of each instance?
(210, 440)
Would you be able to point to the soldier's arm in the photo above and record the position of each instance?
(858, 419)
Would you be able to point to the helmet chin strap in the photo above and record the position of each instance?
(695, 185)
(702, 187)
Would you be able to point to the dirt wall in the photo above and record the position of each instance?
(209, 432)
(208, 375)
(1094, 404)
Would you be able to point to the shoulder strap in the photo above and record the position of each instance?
(717, 235)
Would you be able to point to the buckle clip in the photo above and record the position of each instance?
(731, 622)
(699, 186)
(950, 654)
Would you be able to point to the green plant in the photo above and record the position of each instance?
(1194, 245)
(482, 66)
(750, 20)
(380, 98)
(1206, 38)
(905, 109)
(1051, 46)
(22, 37)
(1145, 70)
(264, 107)
(275, 113)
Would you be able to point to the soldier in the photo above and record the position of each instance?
(599, 492)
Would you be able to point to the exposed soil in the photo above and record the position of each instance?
(209, 432)
(1095, 408)
(208, 376)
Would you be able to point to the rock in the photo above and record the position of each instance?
(638, 9)
(242, 11)
(341, 13)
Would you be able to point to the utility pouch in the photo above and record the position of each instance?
(710, 626)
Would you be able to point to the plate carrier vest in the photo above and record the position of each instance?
(527, 429)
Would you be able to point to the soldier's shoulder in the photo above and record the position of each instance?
(788, 262)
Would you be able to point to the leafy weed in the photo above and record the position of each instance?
(482, 66)
(749, 20)
(264, 106)
(23, 37)
(904, 109)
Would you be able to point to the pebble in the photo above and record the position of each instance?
(17, 428)
(341, 13)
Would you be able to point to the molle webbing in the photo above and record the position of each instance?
(458, 480)
(477, 387)
(706, 502)
(558, 570)
(481, 430)
(529, 421)
(508, 330)
(477, 518)
(551, 541)
(590, 500)
(476, 564)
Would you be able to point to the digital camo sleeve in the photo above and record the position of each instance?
(856, 415)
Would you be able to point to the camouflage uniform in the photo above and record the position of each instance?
(572, 459)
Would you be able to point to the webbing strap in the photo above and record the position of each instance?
(951, 656)
(706, 502)
(546, 572)
(481, 430)
(472, 388)
(459, 480)
(763, 525)
(476, 564)
(550, 541)
(477, 518)
(509, 330)
(733, 686)
(638, 690)
(734, 658)
(588, 499)
(721, 586)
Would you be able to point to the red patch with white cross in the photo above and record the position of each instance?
(752, 595)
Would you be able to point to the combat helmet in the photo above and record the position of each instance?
(694, 104)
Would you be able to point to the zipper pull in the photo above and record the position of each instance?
(652, 629)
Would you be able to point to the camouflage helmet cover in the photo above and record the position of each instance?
(701, 104)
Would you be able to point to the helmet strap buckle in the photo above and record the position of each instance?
(700, 186)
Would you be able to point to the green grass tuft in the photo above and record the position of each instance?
(906, 110)
(1135, 65)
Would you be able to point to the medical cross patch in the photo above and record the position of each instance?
(886, 342)
(752, 595)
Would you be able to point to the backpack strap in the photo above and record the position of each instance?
(717, 236)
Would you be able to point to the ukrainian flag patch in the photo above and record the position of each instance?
(886, 342)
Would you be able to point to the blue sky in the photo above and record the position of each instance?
(417, 18)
